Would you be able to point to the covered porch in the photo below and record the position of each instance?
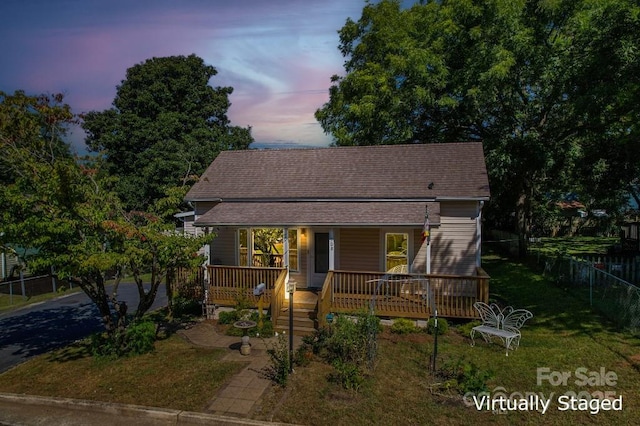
(389, 295)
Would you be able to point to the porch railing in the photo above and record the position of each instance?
(228, 284)
(402, 295)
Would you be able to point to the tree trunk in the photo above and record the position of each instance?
(98, 294)
(524, 221)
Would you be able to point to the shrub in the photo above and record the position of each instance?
(443, 326)
(302, 355)
(185, 306)
(267, 328)
(278, 371)
(465, 329)
(347, 374)
(318, 341)
(466, 376)
(138, 338)
(348, 345)
(404, 326)
(228, 317)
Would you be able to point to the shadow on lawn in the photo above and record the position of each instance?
(554, 308)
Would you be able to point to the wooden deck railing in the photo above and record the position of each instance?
(227, 284)
(403, 295)
(324, 301)
(277, 299)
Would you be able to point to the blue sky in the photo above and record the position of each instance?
(278, 55)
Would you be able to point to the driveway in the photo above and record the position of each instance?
(42, 327)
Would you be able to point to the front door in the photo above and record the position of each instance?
(319, 261)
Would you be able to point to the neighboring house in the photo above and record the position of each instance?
(186, 223)
(327, 212)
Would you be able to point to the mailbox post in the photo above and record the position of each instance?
(292, 289)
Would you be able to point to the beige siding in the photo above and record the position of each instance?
(223, 247)
(454, 244)
(189, 229)
(360, 249)
(201, 207)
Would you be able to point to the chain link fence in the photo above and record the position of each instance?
(617, 299)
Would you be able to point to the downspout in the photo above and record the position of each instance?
(479, 235)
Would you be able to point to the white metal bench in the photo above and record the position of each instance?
(503, 323)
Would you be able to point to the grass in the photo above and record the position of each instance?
(564, 335)
(573, 245)
(10, 303)
(176, 375)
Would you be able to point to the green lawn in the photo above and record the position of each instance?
(564, 336)
(10, 303)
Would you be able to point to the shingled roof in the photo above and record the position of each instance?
(387, 172)
(349, 186)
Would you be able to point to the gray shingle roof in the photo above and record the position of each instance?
(396, 172)
(371, 213)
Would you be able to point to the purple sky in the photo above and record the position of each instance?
(278, 55)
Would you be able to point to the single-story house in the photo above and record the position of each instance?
(343, 220)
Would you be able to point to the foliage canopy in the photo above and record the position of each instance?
(62, 209)
(551, 88)
(166, 124)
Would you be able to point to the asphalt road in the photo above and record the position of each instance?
(42, 327)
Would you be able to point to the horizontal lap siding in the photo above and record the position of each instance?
(223, 247)
(360, 249)
(454, 246)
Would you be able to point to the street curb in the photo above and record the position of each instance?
(160, 415)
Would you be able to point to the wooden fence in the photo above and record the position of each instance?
(626, 268)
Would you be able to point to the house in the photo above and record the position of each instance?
(338, 219)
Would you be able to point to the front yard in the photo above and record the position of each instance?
(564, 337)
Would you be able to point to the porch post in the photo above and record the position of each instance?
(332, 250)
(285, 248)
(428, 257)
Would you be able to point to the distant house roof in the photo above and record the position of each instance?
(388, 184)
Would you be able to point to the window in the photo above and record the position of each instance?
(293, 250)
(243, 247)
(264, 247)
(396, 250)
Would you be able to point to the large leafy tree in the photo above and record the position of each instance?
(549, 87)
(63, 210)
(166, 124)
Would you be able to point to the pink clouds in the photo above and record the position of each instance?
(278, 55)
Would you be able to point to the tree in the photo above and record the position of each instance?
(166, 124)
(64, 211)
(34, 126)
(533, 80)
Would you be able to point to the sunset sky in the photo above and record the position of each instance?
(278, 55)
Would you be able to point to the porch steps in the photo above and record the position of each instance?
(304, 314)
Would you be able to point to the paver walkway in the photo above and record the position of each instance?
(241, 395)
